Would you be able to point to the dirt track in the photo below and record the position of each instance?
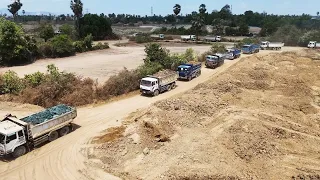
(66, 158)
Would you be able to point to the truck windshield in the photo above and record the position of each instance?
(145, 83)
(182, 69)
(2, 137)
(245, 46)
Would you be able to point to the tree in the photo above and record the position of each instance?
(68, 30)
(202, 9)
(155, 53)
(15, 46)
(77, 8)
(93, 24)
(318, 13)
(176, 9)
(243, 29)
(62, 46)
(46, 32)
(15, 7)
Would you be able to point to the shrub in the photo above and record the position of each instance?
(149, 69)
(143, 39)
(98, 26)
(62, 46)
(287, 34)
(218, 48)
(79, 46)
(34, 79)
(11, 83)
(45, 50)
(88, 41)
(15, 46)
(125, 81)
(155, 53)
(189, 55)
(100, 46)
(313, 35)
(68, 30)
(46, 32)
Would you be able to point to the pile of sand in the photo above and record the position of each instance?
(258, 120)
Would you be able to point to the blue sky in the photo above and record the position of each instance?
(143, 7)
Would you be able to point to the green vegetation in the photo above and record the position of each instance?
(46, 32)
(96, 25)
(55, 87)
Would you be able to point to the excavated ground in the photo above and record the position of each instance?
(258, 120)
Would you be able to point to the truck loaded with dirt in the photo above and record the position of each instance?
(18, 136)
(258, 120)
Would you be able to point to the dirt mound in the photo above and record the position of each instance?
(258, 120)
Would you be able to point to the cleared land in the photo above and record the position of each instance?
(257, 118)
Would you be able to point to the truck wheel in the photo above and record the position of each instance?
(64, 131)
(189, 78)
(173, 85)
(156, 93)
(19, 151)
(169, 87)
(53, 136)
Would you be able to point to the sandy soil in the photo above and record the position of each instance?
(75, 157)
(259, 119)
(100, 64)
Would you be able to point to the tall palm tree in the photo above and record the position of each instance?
(176, 9)
(318, 13)
(77, 8)
(202, 9)
(14, 8)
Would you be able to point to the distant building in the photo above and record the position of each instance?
(315, 18)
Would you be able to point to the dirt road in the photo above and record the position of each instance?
(62, 160)
(65, 158)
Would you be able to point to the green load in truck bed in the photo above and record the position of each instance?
(47, 114)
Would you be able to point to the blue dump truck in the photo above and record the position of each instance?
(189, 70)
(233, 53)
(250, 48)
(216, 60)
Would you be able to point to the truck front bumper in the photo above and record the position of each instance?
(144, 91)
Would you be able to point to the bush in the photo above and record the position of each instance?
(122, 83)
(155, 53)
(149, 69)
(98, 26)
(68, 30)
(62, 46)
(88, 41)
(46, 32)
(79, 46)
(45, 50)
(11, 83)
(100, 46)
(287, 34)
(189, 55)
(218, 48)
(15, 47)
(143, 39)
(35, 79)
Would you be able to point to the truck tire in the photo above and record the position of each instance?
(173, 85)
(64, 131)
(19, 151)
(156, 93)
(169, 87)
(189, 78)
(53, 136)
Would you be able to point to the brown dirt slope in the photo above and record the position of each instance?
(259, 120)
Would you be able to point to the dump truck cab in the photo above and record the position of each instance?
(12, 136)
(149, 84)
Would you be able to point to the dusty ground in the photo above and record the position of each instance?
(258, 120)
(75, 157)
(101, 65)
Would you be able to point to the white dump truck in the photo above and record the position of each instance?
(19, 136)
(212, 38)
(314, 44)
(157, 36)
(266, 45)
(188, 37)
(160, 82)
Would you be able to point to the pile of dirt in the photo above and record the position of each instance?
(258, 120)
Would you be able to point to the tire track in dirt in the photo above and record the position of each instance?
(62, 158)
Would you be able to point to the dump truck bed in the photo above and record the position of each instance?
(166, 76)
(50, 119)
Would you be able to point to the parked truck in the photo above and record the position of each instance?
(157, 36)
(19, 136)
(188, 37)
(233, 53)
(212, 38)
(314, 44)
(266, 45)
(160, 82)
(214, 61)
(189, 70)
